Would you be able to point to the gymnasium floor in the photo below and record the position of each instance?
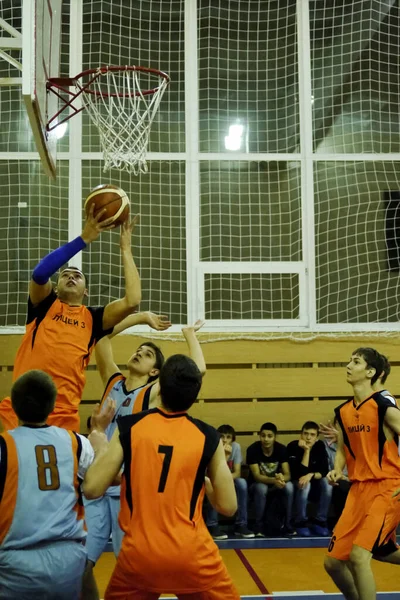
(281, 567)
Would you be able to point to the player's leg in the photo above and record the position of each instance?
(98, 522)
(382, 514)
(131, 594)
(223, 589)
(342, 577)
(360, 561)
(393, 558)
(90, 590)
(337, 561)
(121, 587)
(117, 533)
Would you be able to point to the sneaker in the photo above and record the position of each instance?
(244, 531)
(216, 533)
(289, 531)
(320, 529)
(303, 531)
(258, 532)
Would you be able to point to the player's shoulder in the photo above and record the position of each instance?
(126, 422)
(205, 428)
(389, 396)
(384, 398)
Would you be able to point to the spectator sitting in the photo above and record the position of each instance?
(269, 471)
(340, 491)
(233, 455)
(308, 462)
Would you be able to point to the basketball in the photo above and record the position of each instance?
(113, 199)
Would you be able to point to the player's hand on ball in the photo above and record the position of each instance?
(94, 225)
(157, 322)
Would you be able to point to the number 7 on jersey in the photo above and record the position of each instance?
(167, 450)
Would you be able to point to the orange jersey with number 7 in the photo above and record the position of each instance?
(167, 545)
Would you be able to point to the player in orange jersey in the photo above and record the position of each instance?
(368, 442)
(60, 331)
(166, 454)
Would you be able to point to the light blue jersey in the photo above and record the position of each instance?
(125, 401)
(40, 499)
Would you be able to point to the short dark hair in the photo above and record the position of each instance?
(72, 268)
(33, 396)
(180, 382)
(159, 358)
(386, 368)
(269, 427)
(227, 430)
(310, 425)
(374, 360)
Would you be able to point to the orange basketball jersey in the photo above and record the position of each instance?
(369, 454)
(167, 545)
(59, 339)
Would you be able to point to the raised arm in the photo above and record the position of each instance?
(116, 311)
(40, 285)
(157, 322)
(103, 349)
(195, 352)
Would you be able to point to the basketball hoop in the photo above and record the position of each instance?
(122, 111)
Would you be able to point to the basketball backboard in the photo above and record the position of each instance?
(41, 47)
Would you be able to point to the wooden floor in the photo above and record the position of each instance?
(267, 571)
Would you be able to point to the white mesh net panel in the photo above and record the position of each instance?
(271, 202)
(122, 105)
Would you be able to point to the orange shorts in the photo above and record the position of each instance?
(369, 519)
(9, 419)
(120, 588)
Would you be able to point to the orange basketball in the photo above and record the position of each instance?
(113, 199)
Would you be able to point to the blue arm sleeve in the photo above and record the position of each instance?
(56, 259)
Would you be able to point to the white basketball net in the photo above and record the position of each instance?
(123, 117)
